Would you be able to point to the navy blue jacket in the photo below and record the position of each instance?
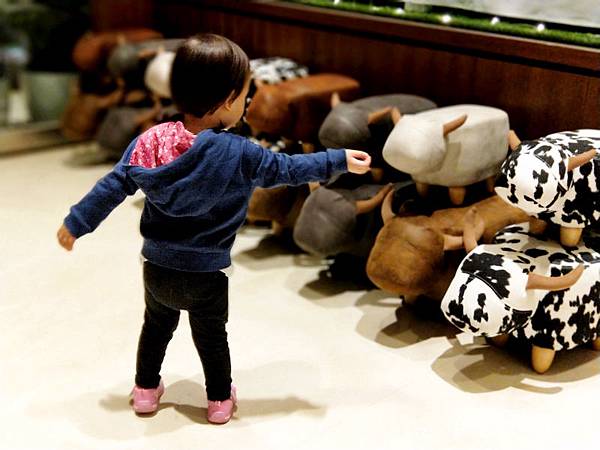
(195, 204)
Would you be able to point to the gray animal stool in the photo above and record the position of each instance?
(365, 124)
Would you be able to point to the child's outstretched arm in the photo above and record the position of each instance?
(106, 195)
(266, 168)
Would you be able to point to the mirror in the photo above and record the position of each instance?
(36, 71)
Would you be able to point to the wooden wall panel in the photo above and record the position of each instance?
(540, 97)
(114, 14)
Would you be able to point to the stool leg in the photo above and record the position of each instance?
(422, 189)
(570, 237)
(541, 358)
(500, 340)
(537, 226)
(457, 194)
(490, 182)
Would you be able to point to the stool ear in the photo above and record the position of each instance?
(453, 125)
(313, 186)
(473, 229)
(513, 140)
(396, 115)
(386, 208)
(335, 100)
(365, 206)
(378, 115)
(581, 159)
(453, 242)
(536, 281)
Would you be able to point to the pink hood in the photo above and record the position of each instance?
(161, 144)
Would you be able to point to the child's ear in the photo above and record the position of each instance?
(229, 102)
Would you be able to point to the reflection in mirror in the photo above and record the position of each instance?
(36, 71)
(553, 20)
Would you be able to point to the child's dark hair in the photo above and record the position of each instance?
(207, 69)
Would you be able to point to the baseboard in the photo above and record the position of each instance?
(33, 136)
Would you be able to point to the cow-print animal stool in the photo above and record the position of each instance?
(530, 288)
(555, 179)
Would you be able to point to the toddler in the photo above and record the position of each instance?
(197, 180)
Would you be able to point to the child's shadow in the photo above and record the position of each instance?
(267, 254)
(477, 367)
(177, 396)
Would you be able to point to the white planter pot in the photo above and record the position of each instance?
(48, 93)
(3, 100)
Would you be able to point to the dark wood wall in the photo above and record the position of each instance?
(115, 14)
(544, 87)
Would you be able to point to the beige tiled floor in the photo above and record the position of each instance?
(318, 364)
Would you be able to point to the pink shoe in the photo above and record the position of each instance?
(221, 411)
(146, 400)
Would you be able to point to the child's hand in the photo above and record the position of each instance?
(65, 238)
(358, 162)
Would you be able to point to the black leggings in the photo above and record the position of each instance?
(205, 296)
